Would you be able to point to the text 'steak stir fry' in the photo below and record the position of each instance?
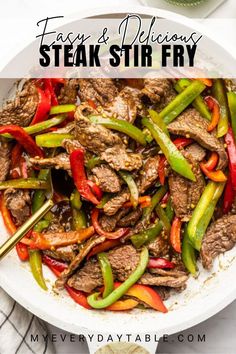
(143, 177)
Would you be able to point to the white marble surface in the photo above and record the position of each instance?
(219, 330)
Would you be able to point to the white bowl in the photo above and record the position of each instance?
(204, 296)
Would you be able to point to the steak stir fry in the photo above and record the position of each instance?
(143, 178)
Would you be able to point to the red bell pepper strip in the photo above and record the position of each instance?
(160, 263)
(24, 139)
(214, 107)
(231, 148)
(54, 263)
(105, 246)
(216, 176)
(48, 86)
(92, 103)
(144, 201)
(179, 143)
(21, 249)
(182, 142)
(78, 296)
(54, 239)
(147, 295)
(110, 235)
(211, 163)
(165, 199)
(79, 176)
(161, 169)
(207, 82)
(122, 305)
(43, 107)
(175, 234)
(95, 189)
(58, 80)
(228, 196)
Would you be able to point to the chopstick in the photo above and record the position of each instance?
(22, 231)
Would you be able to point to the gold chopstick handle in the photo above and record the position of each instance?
(22, 231)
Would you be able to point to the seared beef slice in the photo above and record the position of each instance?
(21, 110)
(124, 261)
(105, 143)
(220, 237)
(18, 202)
(100, 91)
(192, 125)
(185, 194)
(4, 159)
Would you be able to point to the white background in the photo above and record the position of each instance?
(220, 329)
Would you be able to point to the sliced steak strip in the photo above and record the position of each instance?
(69, 92)
(92, 242)
(106, 179)
(71, 145)
(5, 148)
(149, 173)
(61, 161)
(159, 247)
(220, 237)
(164, 280)
(124, 261)
(115, 203)
(100, 91)
(92, 136)
(191, 124)
(105, 143)
(21, 110)
(156, 89)
(18, 202)
(185, 194)
(125, 105)
(119, 159)
(196, 151)
(130, 219)
(66, 253)
(108, 223)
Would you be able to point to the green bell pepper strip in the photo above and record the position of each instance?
(203, 213)
(25, 183)
(39, 195)
(51, 140)
(147, 235)
(79, 219)
(156, 198)
(121, 126)
(148, 135)
(198, 103)
(104, 200)
(232, 108)
(75, 200)
(62, 108)
(35, 260)
(188, 254)
(176, 160)
(182, 101)
(93, 162)
(219, 92)
(163, 217)
(158, 121)
(169, 211)
(134, 193)
(39, 127)
(35, 257)
(124, 287)
(106, 274)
